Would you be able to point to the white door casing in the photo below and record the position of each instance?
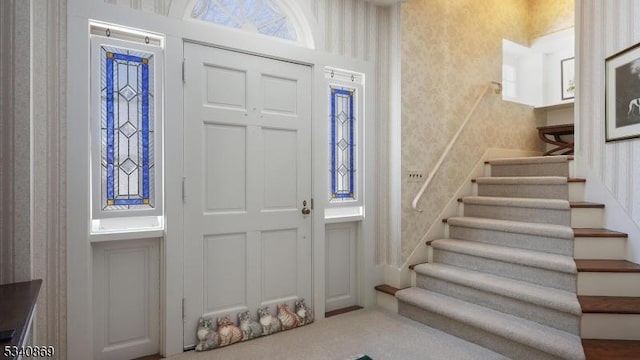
(247, 164)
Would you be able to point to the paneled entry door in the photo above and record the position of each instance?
(247, 163)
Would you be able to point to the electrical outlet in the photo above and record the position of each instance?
(415, 175)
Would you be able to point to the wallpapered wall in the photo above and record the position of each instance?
(605, 30)
(549, 16)
(450, 52)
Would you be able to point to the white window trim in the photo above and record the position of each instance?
(347, 208)
(140, 219)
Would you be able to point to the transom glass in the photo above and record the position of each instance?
(260, 16)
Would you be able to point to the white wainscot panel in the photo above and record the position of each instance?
(225, 274)
(340, 280)
(279, 266)
(280, 169)
(126, 298)
(225, 164)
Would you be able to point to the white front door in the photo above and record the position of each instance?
(247, 128)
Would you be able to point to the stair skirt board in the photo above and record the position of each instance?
(548, 316)
(492, 341)
(610, 326)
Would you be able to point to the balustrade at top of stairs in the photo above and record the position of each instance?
(505, 277)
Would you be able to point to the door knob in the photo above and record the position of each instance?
(305, 211)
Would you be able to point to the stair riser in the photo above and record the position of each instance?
(576, 191)
(587, 217)
(543, 315)
(542, 216)
(522, 241)
(387, 302)
(551, 169)
(499, 344)
(555, 279)
(610, 326)
(557, 191)
(600, 248)
(608, 284)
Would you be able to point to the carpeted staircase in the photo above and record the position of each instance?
(505, 277)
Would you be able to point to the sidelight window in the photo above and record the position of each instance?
(126, 129)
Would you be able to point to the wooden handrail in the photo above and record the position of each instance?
(498, 90)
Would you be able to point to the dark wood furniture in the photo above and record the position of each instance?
(553, 135)
(17, 305)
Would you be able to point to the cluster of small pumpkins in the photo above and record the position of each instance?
(227, 333)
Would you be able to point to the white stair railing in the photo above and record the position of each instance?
(498, 90)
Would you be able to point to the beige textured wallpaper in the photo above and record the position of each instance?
(549, 16)
(450, 51)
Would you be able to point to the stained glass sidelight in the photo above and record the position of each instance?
(127, 129)
(342, 143)
(261, 16)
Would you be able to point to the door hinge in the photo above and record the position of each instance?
(184, 79)
(311, 203)
(184, 190)
(184, 310)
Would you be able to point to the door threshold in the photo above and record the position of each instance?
(342, 311)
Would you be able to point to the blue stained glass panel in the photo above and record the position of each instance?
(342, 168)
(127, 129)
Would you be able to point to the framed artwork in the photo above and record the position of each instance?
(567, 74)
(622, 95)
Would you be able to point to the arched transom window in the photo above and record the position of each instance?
(260, 16)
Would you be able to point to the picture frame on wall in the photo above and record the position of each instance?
(622, 95)
(568, 78)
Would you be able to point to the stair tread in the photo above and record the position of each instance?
(522, 180)
(412, 267)
(517, 202)
(530, 160)
(545, 338)
(610, 304)
(527, 179)
(488, 162)
(596, 349)
(524, 291)
(529, 202)
(520, 227)
(592, 232)
(585, 204)
(387, 289)
(531, 258)
(617, 266)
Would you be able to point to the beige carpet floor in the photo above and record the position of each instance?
(374, 332)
